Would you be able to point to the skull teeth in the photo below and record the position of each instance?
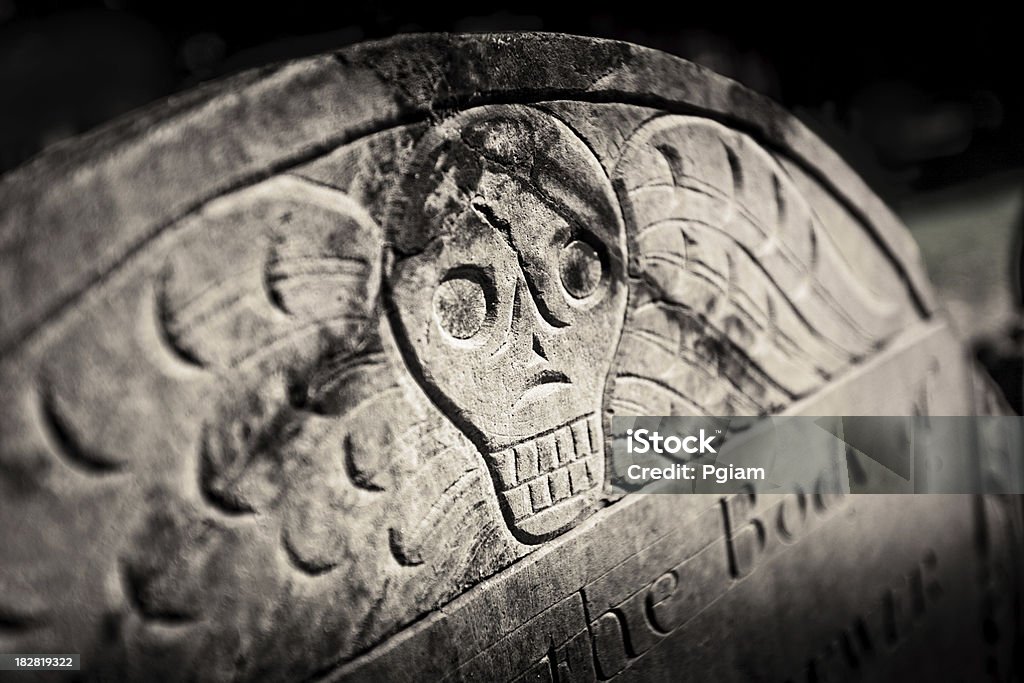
(537, 474)
(550, 489)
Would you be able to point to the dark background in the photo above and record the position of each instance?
(922, 103)
(928, 109)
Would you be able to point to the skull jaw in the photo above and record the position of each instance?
(554, 521)
(546, 484)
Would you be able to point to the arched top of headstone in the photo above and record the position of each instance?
(103, 196)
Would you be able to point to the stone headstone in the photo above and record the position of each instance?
(308, 374)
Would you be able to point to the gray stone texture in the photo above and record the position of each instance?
(306, 374)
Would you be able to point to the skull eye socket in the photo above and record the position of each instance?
(580, 268)
(461, 303)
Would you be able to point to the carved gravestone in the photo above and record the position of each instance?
(308, 374)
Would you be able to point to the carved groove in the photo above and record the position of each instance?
(358, 477)
(410, 552)
(165, 323)
(14, 622)
(225, 501)
(273, 345)
(135, 592)
(300, 563)
(67, 444)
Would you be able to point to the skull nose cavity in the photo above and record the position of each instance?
(530, 313)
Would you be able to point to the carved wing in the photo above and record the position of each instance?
(745, 301)
(304, 462)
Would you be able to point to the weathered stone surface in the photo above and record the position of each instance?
(308, 374)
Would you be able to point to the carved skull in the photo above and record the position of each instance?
(507, 293)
